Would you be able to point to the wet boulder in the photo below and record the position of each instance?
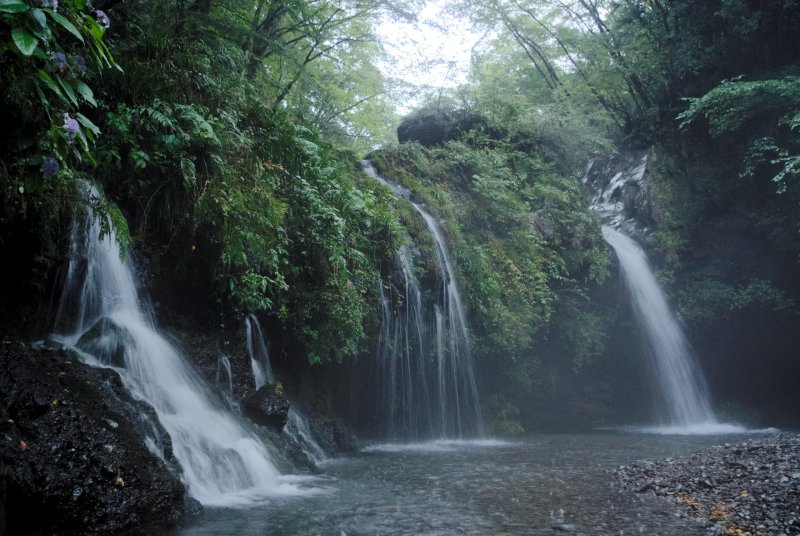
(268, 407)
(106, 340)
(73, 457)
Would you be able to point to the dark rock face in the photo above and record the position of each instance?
(334, 436)
(268, 407)
(107, 341)
(72, 455)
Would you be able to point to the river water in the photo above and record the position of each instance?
(485, 487)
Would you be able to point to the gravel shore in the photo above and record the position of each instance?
(749, 487)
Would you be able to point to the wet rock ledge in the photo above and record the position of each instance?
(72, 457)
(747, 487)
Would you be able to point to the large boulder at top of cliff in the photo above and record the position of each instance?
(431, 127)
(73, 458)
(268, 407)
(427, 128)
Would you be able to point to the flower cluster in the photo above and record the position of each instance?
(71, 127)
(52, 4)
(60, 59)
(102, 18)
(49, 167)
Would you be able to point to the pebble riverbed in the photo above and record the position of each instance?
(749, 487)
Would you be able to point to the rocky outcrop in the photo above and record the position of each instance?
(622, 187)
(268, 407)
(72, 455)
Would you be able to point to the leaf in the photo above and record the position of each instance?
(40, 17)
(13, 6)
(66, 24)
(26, 43)
(67, 87)
(83, 120)
(86, 92)
(52, 85)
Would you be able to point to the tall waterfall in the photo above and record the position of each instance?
(101, 315)
(257, 348)
(682, 386)
(684, 400)
(425, 362)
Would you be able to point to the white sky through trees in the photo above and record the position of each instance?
(430, 53)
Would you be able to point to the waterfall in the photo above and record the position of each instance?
(683, 395)
(683, 388)
(298, 429)
(425, 362)
(257, 349)
(101, 315)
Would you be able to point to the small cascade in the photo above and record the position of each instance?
(101, 315)
(425, 371)
(298, 429)
(257, 349)
(685, 405)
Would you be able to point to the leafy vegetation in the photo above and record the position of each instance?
(526, 248)
(226, 135)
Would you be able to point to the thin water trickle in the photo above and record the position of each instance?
(224, 373)
(298, 429)
(257, 349)
(426, 370)
(222, 462)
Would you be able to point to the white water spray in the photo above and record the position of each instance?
(222, 462)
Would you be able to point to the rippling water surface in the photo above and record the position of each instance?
(484, 487)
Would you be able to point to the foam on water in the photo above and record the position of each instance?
(439, 445)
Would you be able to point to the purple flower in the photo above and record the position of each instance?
(49, 167)
(60, 60)
(102, 18)
(78, 64)
(71, 127)
(52, 4)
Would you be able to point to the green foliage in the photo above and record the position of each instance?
(48, 140)
(706, 300)
(523, 242)
(734, 103)
(504, 419)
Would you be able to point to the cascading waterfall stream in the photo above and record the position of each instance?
(685, 405)
(429, 378)
(101, 315)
